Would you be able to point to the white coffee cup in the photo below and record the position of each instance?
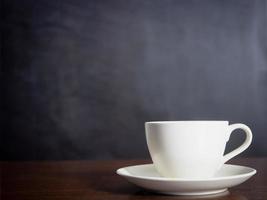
(191, 149)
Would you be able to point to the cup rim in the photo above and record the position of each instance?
(188, 121)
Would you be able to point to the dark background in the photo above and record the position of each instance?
(80, 78)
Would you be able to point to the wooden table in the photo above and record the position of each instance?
(90, 180)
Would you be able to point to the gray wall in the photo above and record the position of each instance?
(80, 78)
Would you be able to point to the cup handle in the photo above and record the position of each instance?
(245, 144)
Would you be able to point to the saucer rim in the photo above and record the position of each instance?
(248, 174)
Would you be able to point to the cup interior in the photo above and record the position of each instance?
(189, 122)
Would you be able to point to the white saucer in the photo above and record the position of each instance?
(147, 177)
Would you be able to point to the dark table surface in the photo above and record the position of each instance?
(91, 180)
